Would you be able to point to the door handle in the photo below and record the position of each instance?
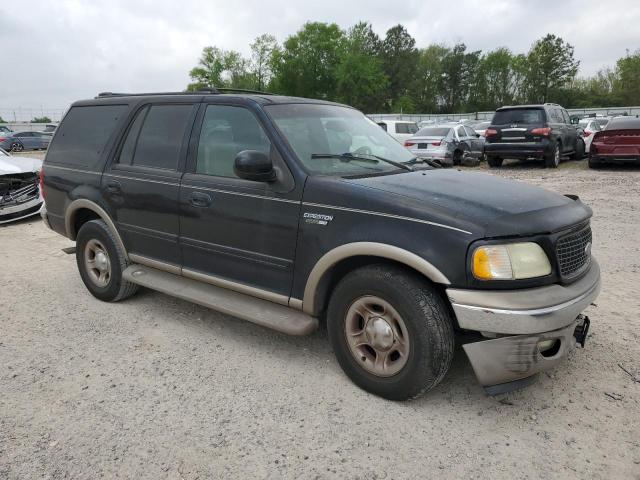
(114, 186)
(199, 199)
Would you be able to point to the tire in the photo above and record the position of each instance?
(415, 309)
(16, 147)
(457, 157)
(494, 162)
(578, 154)
(553, 160)
(95, 241)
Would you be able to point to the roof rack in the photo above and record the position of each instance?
(205, 90)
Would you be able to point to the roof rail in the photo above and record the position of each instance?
(202, 91)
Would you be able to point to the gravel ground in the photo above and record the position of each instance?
(154, 387)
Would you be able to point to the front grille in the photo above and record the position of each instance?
(574, 252)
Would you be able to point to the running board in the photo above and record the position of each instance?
(262, 312)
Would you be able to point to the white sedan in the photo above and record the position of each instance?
(590, 126)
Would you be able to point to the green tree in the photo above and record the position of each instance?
(43, 119)
(2, 120)
(426, 88)
(220, 68)
(262, 50)
(399, 60)
(458, 73)
(306, 64)
(361, 82)
(551, 66)
(627, 86)
(495, 83)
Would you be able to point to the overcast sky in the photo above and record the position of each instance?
(58, 51)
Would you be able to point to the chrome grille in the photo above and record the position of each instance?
(574, 252)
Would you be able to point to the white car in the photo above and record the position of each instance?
(19, 187)
(590, 127)
(399, 129)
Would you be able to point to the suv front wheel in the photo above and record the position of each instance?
(391, 331)
(101, 262)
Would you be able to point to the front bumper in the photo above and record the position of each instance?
(519, 320)
(22, 210)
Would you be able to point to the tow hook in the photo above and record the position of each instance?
(582, 330)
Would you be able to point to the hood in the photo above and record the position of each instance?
(10, 165)
(498, 206)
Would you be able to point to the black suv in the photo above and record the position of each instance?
(286, 211)
(543, 132)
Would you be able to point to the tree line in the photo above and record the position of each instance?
(391, 74)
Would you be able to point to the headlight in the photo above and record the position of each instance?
(512, 261)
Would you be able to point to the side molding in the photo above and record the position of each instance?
(371, 249)
(76, 205)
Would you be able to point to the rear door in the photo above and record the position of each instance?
(570, 131)
(475, 142)
(233, 232)
(142, 182)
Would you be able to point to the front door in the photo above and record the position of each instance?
(233, 232)
(142, 182)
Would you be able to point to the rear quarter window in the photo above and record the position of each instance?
(83, 134)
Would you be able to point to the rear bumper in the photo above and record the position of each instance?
(518, 150)
(615, 158)
(520, 319)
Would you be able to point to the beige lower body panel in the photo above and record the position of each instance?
(256, 310)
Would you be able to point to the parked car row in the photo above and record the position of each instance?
(544, 132)
(19, 190)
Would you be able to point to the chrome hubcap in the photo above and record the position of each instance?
(377, 336)
(97, 263)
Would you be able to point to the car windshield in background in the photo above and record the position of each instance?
(518, 115)
(316, 132)
(621, 123)
(433, 132)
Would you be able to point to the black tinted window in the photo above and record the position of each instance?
(402, 128)
(225, 132)
(623, 122)
(383, 126)
(518, 115)
(161, 135)
(83, 134)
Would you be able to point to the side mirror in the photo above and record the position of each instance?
(255, 166)
(477, 135)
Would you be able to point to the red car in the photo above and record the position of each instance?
(618, 142)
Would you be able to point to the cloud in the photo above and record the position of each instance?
(58, 52)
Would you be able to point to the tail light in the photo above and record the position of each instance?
(587, 133)
(490, 132)
(543, 132)
(42, 181)
(409, 143)
(436, 144)
(2, 139)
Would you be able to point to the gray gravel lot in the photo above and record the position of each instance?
(155, 387)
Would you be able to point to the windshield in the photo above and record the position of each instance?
(315, 132)
(518, 115)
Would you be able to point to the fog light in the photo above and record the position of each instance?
(548, 348)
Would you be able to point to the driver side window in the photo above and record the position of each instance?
(226, 131)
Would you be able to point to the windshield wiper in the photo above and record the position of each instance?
(347, 157)
(429, 162)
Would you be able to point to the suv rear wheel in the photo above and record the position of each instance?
(391, 331)
(101, 262)
(494, 161)
(553, 160)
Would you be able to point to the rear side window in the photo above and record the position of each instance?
(519, 115)
(383, 126)
(155, 137)
(83, 134)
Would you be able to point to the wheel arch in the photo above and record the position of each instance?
(347, 257)
(85, 210)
